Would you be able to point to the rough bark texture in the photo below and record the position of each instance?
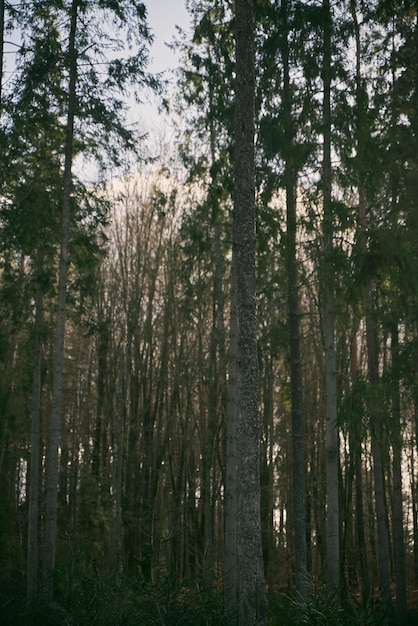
(331, 443)
(2, 12)
(58, 366)
(250, 561)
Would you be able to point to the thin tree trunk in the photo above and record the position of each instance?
(331, 440)
(58, 367)
(33, 516)
(116, 538)
(298, 425)
(231, 478)
(372, 359)
(208, 444)
(267, 475)
(360, 536)
(102, 351)
(376, 435)
(399, 554)
(250, 560)
(383, 549)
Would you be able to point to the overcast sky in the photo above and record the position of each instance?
(163, 16)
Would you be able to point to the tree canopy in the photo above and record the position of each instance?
(209, 355)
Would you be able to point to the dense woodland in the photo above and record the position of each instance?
(174, 450)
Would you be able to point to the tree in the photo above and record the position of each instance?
(298, 424)
(59, 352)
(84, 108)
(250, 567)
(34, 482)
(2, 24)
(332, 444)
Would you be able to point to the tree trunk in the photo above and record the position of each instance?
(58, 366)
(231, 478)
(250, 560)
(268, 491)
(33, 516)
(383, 548)
(399, 555)
(331, 440)
(119, 434)
(372, 358)
(298, 426)
(2, 12)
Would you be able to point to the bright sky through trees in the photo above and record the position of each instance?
(163, 17)
(208, 315)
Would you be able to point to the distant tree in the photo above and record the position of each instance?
(82, 85)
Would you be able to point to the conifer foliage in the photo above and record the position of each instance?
(209, 361)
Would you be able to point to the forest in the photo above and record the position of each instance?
(209, 339)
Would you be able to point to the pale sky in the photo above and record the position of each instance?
(163, 16)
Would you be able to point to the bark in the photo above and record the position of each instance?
(267, 475)
(414, 486)
(2, 13)
(331, 439)
(208, 447)
(59, 341)
(250, 560)
(116, 539)
(399, 555)
(372, 359)
(102, 350)
(33, 516)
(231, 478)
(360, 535)
(371, 341)
(378, 472)
(298, 425)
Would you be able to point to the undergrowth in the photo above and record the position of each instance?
(97, 599)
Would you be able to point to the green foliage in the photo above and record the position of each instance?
(322, 610)
(105, 600)
(85, 597)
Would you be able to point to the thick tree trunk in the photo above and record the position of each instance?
(332, 439)
(250, 560)
(58, 366)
